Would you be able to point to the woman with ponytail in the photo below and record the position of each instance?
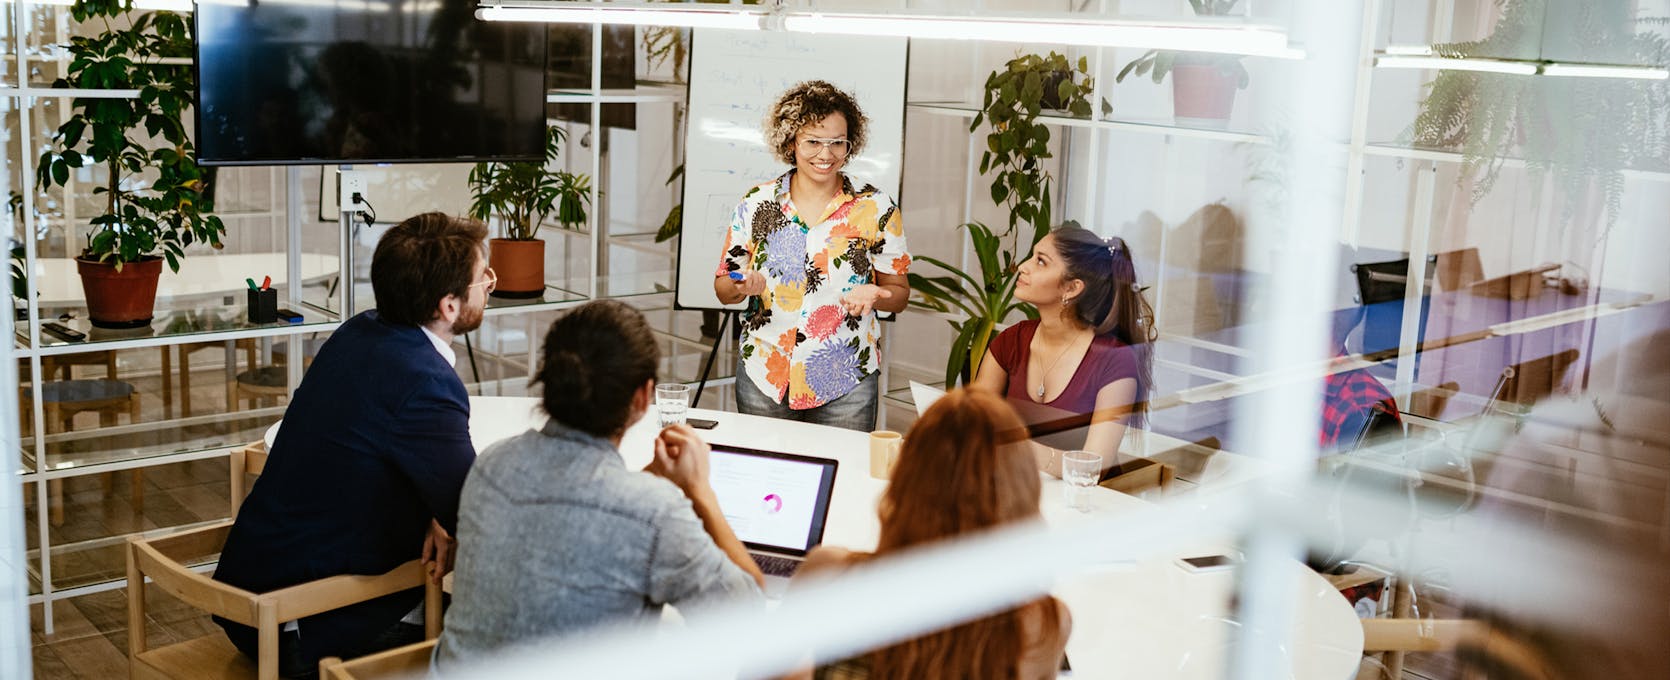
(556, 535)
(1087, 359)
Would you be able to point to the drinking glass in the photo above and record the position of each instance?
(1080, 469)
(672, 401)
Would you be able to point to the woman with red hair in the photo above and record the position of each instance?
(965, 468)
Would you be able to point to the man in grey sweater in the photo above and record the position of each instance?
(556, 536)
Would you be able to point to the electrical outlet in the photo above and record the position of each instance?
(349, 183)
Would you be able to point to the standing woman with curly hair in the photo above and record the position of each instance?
(817, 257)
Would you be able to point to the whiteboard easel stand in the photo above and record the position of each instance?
(729, 316)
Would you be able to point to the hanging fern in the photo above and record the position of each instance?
(1583, 130)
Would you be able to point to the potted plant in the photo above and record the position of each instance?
(156, 203)
(1016, 145)
(522, 195)
(1203, 85)
(1585, 131)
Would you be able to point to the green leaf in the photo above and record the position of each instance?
(960, 351)
(1133, 64)
(1162, 65)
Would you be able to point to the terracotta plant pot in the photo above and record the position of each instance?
(520, 266)
(120, 299)
(1202, 95)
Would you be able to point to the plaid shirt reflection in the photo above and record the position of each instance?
(1349, 398)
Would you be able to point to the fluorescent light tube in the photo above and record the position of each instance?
(1605, 71)
(1228, 38)
(731, 19)
(1482, 65)
(183, 6)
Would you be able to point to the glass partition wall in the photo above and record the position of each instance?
(201, 378)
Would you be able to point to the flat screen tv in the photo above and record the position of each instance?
(366, 81)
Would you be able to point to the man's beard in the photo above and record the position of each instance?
(469, 319)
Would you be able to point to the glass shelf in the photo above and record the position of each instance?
(1442, 155)
(157, 438)
(554, 293)
(1148, 126)
(199, 320)
(645, 92)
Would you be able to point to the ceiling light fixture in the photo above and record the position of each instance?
(1447, 63)
(1218, 37)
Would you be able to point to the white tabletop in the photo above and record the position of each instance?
(200, 275)
(1146, 620)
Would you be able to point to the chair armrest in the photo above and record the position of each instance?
(409, 660)
(323, 595)
(160, 559)
(1419, 635)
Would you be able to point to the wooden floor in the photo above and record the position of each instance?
(90, 637)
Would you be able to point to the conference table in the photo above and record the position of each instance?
(1150, 619)
(1147, 619)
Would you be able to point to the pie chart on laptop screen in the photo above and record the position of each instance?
(772, 503)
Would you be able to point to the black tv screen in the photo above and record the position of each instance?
(366, 81)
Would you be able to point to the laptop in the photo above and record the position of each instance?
(777, 503)
(924, 395)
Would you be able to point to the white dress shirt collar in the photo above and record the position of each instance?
(445, 348)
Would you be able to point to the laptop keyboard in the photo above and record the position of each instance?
(773, 565)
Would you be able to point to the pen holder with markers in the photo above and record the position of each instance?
(263, 305)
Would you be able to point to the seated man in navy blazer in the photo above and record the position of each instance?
(366, 471)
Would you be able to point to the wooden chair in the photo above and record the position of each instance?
(1420, 635)
(61, 401)
(410, 661)
(63, 365)
(260, 384)
(1397, 637)
(1430, 402)
(188, 349)
(246, 461)
(167, 561)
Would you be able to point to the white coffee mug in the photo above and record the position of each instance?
(884, 452)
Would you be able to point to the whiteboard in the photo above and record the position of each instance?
(735, 77)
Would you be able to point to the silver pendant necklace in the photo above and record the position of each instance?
(1042, 377)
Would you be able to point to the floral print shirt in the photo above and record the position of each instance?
(796, 336)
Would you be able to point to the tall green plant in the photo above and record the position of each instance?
(982, 302)
(524, 194)
(1016, 145)
(140, 219)
(1016, 142)
(1585, 131)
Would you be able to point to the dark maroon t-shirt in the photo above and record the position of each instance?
(1107, 360)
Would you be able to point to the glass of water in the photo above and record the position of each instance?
(1081, 470)
(672, 401)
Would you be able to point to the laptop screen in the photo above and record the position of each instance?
(773, 501)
